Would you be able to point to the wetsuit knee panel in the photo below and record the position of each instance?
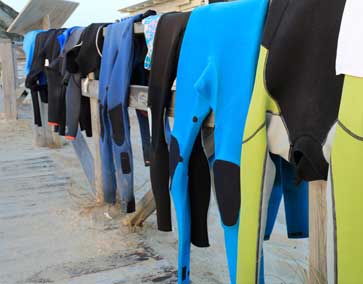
(118, 128)
(125, 163)
(175, 157)
(227, 183)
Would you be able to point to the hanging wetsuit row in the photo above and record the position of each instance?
(294, 114)
(58, 60)
(201, 85)
(299, 128)
(272, 77)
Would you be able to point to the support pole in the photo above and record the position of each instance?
(145, 207)
(96, 135)
(8, 70)
(318, 233)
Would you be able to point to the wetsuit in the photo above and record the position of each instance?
(167, 43)
(215, 73)
(29, 45)
(292, 111)
(80, 60)
(36, 80)
(56, 88)
(77, 109)
(117, 68)
(345, 179)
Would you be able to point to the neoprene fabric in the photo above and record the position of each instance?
(345, 180)
(215, 72)
(56, 88)
(296, 201)
(118, 65)
(36, 80)
(167, 42)
(301, 103)
(30, 47)
(150, 25)
(344, 187)
(77, 107)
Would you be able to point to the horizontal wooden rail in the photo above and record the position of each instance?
(138, 98)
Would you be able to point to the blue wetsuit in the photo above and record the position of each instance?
(117, 70)
(28, 47)
(215, 73)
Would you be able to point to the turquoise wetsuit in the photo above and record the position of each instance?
(216, 73)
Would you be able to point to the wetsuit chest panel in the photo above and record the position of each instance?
(300, 76)
(89, 59)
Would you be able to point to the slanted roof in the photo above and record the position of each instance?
(33, 14)
(161, 5)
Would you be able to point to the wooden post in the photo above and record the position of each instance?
(84, 155)
(318, 233)
(8, 69)
(96, 135)
(144, 208)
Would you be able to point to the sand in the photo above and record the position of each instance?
(51, 231)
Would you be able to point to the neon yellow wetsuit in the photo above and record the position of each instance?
(293, 109)
(345, 195)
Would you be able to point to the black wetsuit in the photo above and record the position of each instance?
(56, 89)
(167, 44)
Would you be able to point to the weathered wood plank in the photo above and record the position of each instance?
(138, 98)
(96, 134)
(8, 69)
(318, 233)
(144, 208)
(85, 157)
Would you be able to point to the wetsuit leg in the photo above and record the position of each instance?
(256, 185)
(345, 189)
(296, 201)
(73, 106)
(167, 42)
(145, 135)
(275, 198)
(36, 108)
(85, 116)
(140, 76)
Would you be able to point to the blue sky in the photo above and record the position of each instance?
(89, 11)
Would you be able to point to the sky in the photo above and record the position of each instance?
(88, 11)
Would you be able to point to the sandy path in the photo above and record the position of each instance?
(51, 232)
